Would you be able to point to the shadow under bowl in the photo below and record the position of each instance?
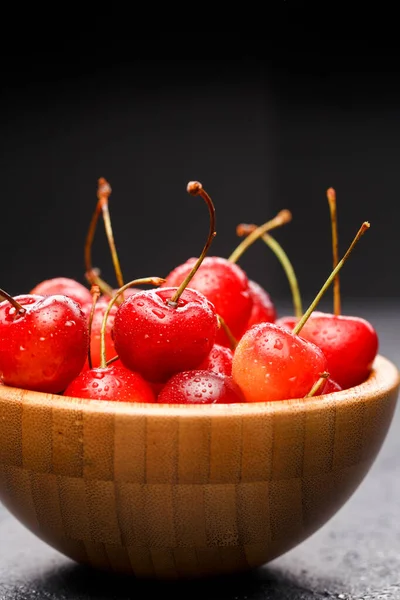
(169, 492)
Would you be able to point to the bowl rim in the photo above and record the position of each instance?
(383, 379)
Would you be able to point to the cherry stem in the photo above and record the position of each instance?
(18, 307)
(331, 195)
(196, 189)
(232, 340)
(283, 217)
(103, 194)
(95, 291)
(93, 277)
(246, 229)
(327, 283)
(89, 243)
(157, 281)
(318, 384)
(112, 360)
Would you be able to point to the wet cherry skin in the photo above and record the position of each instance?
(270, 363)
(225, 284)
(65, 286)
(200, 387)
(349, 343)
(44, 348)
(219, 360)
(157, 339)
(113, 383)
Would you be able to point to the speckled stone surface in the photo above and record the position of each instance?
(355, 556)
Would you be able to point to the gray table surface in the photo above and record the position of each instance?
(355, 556)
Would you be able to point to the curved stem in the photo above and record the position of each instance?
(246, 229)
(284, 216)
(331, 195)
(144, 281)
(89, 243)
(95, 291)
(103, 194)
(331, 277)
(196, 189)
(93, 277)
(18, 307)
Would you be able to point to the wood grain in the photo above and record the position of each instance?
(187, 491)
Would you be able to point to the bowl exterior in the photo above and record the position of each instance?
(165, 492)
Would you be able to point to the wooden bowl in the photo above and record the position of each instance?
(165, 491)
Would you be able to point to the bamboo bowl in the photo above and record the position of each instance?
(159, 491)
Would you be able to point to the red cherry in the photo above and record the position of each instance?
(226, 285)
(263, 309)
(200, 387)
(161, 332)
(43, 341)
(220, 280)
(64, 286)
(349, 343)
(114, 383)
(271, 363)
(219, 360)
(157, 339)
(95, 315)
(108, 381)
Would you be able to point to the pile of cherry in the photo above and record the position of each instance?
(203, 334)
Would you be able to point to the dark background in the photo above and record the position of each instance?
(261, 130)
